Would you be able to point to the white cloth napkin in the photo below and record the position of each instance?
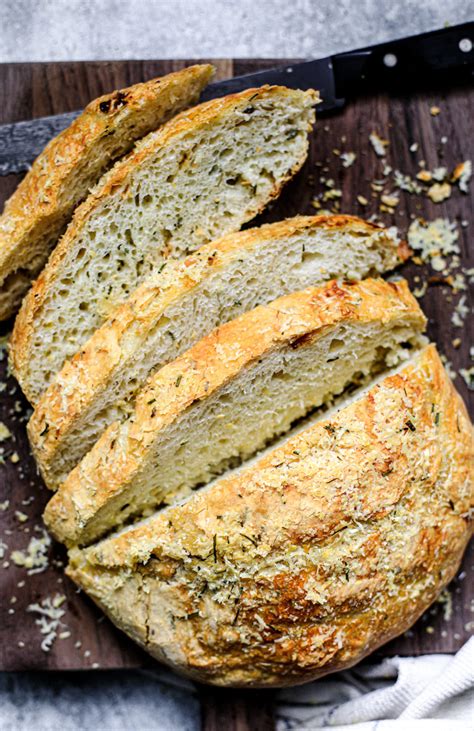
(431, 692)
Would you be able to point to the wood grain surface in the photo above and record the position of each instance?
(30, 90)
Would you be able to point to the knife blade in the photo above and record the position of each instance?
(402, 64)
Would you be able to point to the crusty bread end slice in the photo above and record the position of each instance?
(232, 392)
(326, 547)
(201, 175)
(219, 282)
(38, 211)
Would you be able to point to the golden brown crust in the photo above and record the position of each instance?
(116, 179)
(110, 467)
(38, 210)
(84, 377)
(306, 561)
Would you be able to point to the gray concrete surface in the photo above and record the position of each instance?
(98, 29)
(104, 29)
(110, 701)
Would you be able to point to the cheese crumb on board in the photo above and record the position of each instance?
(348, 159)
(379, 144)
(419, 292)
(5, 432)
(468, 375)
(49, 620)
(405, 182)
(439, 174)
(433, 238)
(35, 558)
(3, 548)
(462, 175)
(331, 194)
(446, 600)
(461, 311)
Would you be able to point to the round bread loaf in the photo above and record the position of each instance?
(304, 561)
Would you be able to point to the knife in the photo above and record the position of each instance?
(402, 64)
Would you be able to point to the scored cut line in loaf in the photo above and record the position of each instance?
(300, 565)
(203, 174)
(38, 211)
(232, 392)
(220, 281)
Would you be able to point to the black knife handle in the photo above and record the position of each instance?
(403, 63)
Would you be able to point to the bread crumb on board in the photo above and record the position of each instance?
(425, 176)
(391, 201)
(439, 192)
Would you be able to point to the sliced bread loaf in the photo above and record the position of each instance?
(203, 174)
(220, 281)
(308, 560)
(227, 396)
(38, 211)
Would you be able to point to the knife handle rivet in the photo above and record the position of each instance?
(465, 44)
(390, 60)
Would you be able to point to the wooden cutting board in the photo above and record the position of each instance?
(89, 640)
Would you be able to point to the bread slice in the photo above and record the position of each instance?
(306, 561)
(60, 178)
(220, 281)
(201, 175)
(227, 396)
